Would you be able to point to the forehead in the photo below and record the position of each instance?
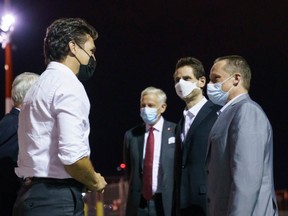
(89, 44)
(184, 71)
(218, 69)
(149, 98)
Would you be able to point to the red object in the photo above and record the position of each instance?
(122, 165)
(8, 77)
(148, 167)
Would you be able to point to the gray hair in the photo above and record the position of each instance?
(160, 93)
(20, 86)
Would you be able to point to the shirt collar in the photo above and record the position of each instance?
(195, 109)
(62, 68)
(158, 126)
(227, 104)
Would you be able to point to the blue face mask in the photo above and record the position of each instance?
(149, 115)
(216, 94)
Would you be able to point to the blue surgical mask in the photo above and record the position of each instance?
(149, 115)
(216, 94)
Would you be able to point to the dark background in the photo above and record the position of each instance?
(139, 44)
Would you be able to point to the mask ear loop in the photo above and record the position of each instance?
(227, 79)
(74, 43)
(234, 84)
(231, 88)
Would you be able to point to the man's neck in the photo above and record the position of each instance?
(194, 100)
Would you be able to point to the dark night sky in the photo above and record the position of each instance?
(139, 44)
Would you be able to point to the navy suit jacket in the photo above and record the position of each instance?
(133, 157)
(8, 136)
(190, 176)
(9, 182)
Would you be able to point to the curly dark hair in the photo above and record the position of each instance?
(61, 32)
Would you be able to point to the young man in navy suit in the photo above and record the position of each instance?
(192, 133)
(139, 203)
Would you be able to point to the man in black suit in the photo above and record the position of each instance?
(152, 106)
(9, 182)
(192, 138)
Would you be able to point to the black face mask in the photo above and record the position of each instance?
(87, 71)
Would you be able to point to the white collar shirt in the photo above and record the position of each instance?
(227, 104)
(189, 116)
(158, 128)
(53, 124)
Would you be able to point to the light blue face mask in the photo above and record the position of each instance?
(216, 94)
(149, 115)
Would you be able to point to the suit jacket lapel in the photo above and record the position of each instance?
(242, 97)
(204, 111)
(164, 141)
(141, 146)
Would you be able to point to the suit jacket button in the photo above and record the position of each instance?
(183, 166)
(208, 200)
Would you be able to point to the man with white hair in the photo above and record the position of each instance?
(9, 182)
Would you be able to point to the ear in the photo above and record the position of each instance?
(163, 107)
(72, 47)
(202, 81)
(237, 79)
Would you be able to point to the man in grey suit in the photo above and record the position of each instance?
(152, 106)
(240, 155)
(192, 138)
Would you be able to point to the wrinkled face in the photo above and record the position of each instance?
(151, 100)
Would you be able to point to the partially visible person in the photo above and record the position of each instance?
(9, 181)
(192, 133)
(54, 126)
(240, 157)
(150, 183)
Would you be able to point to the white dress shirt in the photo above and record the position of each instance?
(189, 116)
(53, 124)
(158, 128)
(230, 102)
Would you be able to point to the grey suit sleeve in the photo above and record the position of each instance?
(250, 135)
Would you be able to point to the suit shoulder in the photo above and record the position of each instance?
(250, 106)
(136, 130)
(212, 106)
(169, 124)
(9, 119)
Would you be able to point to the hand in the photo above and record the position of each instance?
(101, 183)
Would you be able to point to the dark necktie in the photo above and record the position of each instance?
(148, 167)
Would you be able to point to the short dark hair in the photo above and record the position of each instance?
(237, 64)
(194, 63)
(61, 32)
